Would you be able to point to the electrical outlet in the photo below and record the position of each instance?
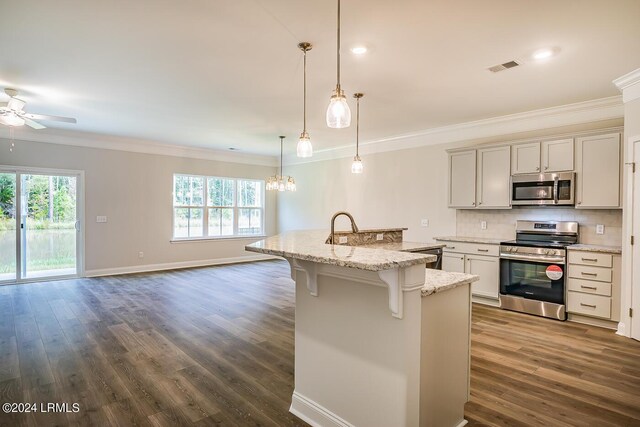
(101, 218)
(342, 239)
(380, 236)
(599, 228)
(483, 225)
(424, 223)
(140, 254)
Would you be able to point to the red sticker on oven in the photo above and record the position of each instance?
(554, 272)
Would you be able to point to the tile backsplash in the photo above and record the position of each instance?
(501, 224)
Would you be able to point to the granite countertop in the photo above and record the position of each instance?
(438, 281)
(310, 246)
(464, 239)
(404, 246)
(596, 248)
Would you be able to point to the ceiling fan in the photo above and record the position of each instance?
(12, 113)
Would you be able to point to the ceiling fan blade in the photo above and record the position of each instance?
(32, 124)
(16, 104)
(49, 118)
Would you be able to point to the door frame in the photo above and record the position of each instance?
(632, 294)
(630, 283)
(80, 216)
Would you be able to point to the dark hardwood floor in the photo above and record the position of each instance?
(214, 346)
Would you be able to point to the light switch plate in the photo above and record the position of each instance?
(380, 236)
(342, 239)
(483, 225)
(424, 223)
(101, 218)
(599, 228)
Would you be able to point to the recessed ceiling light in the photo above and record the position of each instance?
(359, 50)
(543, 54)
(234, 149)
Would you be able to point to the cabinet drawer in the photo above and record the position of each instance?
(471, 248)
(590, 273)
(589, 287)
(589, 305)
(590, 258)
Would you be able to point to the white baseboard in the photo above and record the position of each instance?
(175, 265)
(315, 414)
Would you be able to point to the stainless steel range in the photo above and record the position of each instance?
(533, 267)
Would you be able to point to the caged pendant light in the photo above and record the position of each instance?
(304, 147)
(356, 166)
(338, 112)
(280, 182)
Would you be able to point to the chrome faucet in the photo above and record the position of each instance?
(354, 227)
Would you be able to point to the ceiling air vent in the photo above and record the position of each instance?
(502, 67)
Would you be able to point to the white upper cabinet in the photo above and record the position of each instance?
(598, 171)
(462, 179)
(546, 156)
(494, 177)
(525, 158)
(557, 156)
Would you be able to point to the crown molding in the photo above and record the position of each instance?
(110, 142)
(546, 118)
(629, 85)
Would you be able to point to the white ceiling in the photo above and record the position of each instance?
(227, 73)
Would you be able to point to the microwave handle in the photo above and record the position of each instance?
(555, 190)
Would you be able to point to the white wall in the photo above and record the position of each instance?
(397, 189)
(134, 191)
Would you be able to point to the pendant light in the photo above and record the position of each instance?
(304, 147)
(356, 166)
(338, 112)
(280, 182)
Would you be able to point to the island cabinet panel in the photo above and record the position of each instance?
(557, 155)
(462, 179)
(494, 173)
(598, 171)
(453, 262)
(525, 158)
(487, 268)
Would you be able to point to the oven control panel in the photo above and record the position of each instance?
(533, 253)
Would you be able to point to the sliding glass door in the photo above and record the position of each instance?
(39, 229)
(8, 226)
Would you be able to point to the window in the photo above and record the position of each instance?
(214, 207)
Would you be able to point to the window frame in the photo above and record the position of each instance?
(205, 208)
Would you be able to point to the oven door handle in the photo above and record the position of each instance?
(555, 190)
(533, 258)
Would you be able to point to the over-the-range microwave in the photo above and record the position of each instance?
(541, 189)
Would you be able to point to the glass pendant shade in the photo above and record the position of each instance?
(338, 112)
(304, 147)
(356, 166)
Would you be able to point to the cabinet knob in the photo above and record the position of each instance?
(579, 203)
(473, 204)
(546, 167)
(480, 203)
(538, 168)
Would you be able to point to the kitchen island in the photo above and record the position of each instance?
(379, 339)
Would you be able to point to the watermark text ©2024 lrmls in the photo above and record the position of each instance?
(42, 407)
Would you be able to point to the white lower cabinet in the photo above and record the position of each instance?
(453, 263)
(593, 285)
(488, 268)
(463, 258)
